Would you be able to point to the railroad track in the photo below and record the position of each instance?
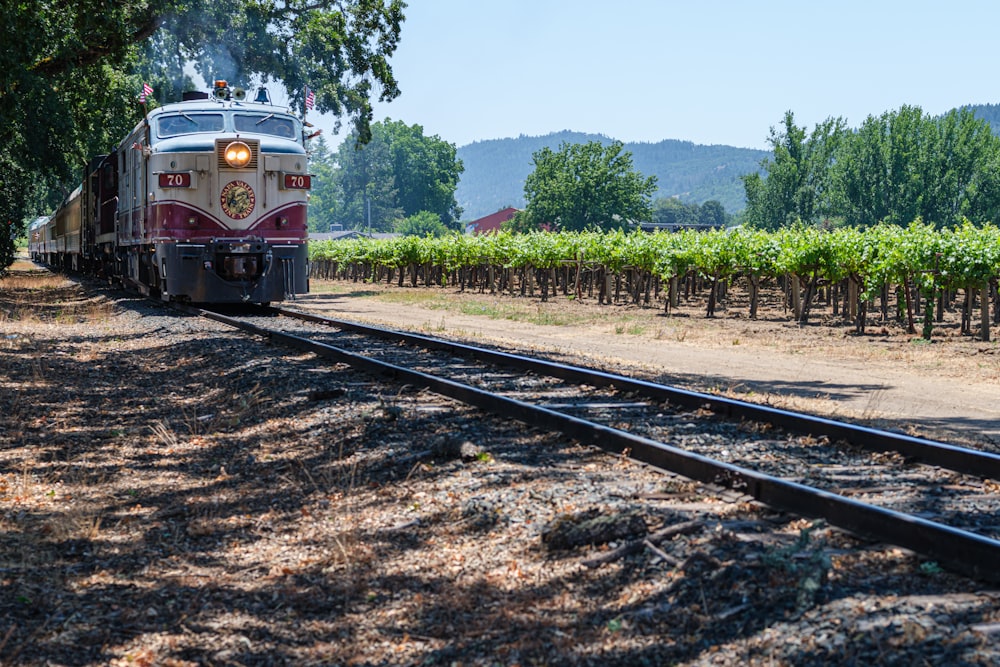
(936, 499)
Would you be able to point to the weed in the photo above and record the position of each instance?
(930, 568)
(161, 429)
(806, 563)
(247, 403)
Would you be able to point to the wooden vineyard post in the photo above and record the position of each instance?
(851, 306)
(754, 281)
(796, 296)
(579, 270)
(984, 312)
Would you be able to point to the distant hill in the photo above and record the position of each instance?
(495, 170)
(988, 112)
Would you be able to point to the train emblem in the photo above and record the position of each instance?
(238, 199)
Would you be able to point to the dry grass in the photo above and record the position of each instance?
(19, 298)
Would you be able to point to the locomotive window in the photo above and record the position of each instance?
(188, 123)
(269, 124)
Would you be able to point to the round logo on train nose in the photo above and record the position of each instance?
(238, 199)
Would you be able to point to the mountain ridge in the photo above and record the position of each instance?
(495, 169)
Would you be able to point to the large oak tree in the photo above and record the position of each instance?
(586, 186)
(70, 73)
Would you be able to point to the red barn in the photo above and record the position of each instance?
(491, 222)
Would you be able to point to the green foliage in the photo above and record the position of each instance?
(521, 223)
(398, 173)
(61, 95)
(901, 166)
(796, 184)
(587, 186)
(423, 223)
(70, 73)
(495, 170)
(340, 50)
(672, 211)
(884, 254)
(324, 211)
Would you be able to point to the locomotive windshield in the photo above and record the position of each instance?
(265, 124)
(171, 125)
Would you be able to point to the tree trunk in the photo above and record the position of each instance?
(928, 316)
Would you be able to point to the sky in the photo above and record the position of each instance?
(706, 71)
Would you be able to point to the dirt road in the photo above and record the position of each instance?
(946, 389)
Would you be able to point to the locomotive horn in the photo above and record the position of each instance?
(239, 94)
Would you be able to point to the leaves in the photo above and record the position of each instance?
(70, 73)
(898, 167)
(587, 186)
(398, 174)
(921, 254)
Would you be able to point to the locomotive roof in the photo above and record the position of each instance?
(220, 105)
(38, 222)
(200, 141)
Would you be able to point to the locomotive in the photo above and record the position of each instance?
(205, 201)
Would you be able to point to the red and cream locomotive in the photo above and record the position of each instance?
(204, 201)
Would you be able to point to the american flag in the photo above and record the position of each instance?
(147, 90)
(310, 98)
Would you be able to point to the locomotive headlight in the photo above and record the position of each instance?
(238, 155)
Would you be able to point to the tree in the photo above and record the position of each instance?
(672, 211)
(587, 186)
(323, 208)
(70, 73)
(899, 167)
(713, 213)
(397, 174)
(797, 185)
(366, 185)
(340, 49)
(905, 165)
(423, 223)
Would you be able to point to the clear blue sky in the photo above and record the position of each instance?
(707, 71)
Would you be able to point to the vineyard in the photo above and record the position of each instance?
(909, 273)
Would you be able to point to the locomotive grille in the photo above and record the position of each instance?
(220, 153)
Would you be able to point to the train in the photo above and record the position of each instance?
(204, 201)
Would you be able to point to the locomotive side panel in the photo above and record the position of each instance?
(66, 232)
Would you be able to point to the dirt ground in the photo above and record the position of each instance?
(174, 494)
(947, 389)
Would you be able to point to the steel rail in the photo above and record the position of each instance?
(931, 452)
(964, 551)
